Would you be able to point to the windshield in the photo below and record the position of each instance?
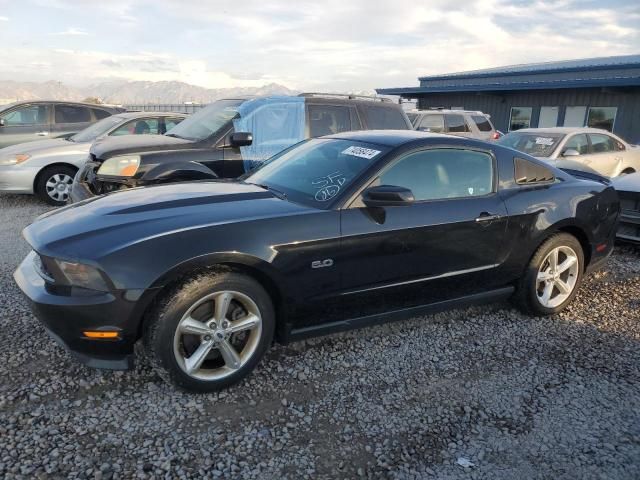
(207, 121)
(315, 171)
(89, 134)
(538, 144)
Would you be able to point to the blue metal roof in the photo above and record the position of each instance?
(619, 71)
(582, 65)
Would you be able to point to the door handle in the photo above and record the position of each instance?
(487, 217)
(42, 134)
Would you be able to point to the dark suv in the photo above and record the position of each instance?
(228, 138)
(38, 120)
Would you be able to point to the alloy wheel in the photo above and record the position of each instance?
(557, 276)
(58, 187)
(217, 335)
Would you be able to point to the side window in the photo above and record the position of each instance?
(71, 114)
(601, 143)
(442, 173)
(384, 118)
(456, 123)
(432, 123)
(530, 173)
(327, 120)
(100, 114)
(171, 122)
(27, 115)
(142, 126)
(520, 118)
(578, 143)
(482, 122)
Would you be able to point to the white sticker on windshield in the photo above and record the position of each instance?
(328, 186)
(361, 152)
(544, 141)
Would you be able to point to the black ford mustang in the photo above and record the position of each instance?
(333, 233)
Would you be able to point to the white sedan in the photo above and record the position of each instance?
(47, 167)
(595, 149)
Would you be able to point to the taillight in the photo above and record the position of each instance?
(495, 136)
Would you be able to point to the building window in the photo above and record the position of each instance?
(548, 117)
(520, 118)
(574, 116)
(602, 117)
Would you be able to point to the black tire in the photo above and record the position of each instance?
(162, 323)
(49, 173)
(526, 295)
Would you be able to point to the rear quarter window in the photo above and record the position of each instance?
(530, 173)
(483, 123)
(100, 114)
(384, 118)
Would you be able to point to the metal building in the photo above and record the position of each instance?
(597, 92)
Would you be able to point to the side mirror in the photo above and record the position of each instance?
(570, 152)
(387, 196)
(240, 139)
(2, 122)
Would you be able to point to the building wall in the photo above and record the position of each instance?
(498, 105)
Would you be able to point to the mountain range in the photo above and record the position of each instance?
(130, 92)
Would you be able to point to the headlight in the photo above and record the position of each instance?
(122, 166)
(15, 159)
(81, 275)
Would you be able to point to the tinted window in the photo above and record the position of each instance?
(483, 123)
(100, 114)
(537, 144)
(456, 123)
(602, 117)
(432, 123)
(327, 120)
(171, 122)
(384, 118)
(71, 114)
(442, 173)
(316, 171)
(27, 115)
(207, 121)
(578, 143)
(602, 143)
(142, 126)
(527, 172)
(520, 118)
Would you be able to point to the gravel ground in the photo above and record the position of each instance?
(477, 393)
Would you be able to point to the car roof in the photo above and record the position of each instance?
(83, 104)
(325, 98)
(446, 110)
(149, 114)
(562, 130)
(390, 138)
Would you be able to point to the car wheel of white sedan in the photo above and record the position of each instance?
(54, 184)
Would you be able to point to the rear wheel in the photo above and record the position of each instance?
(553, 276)
(54, 184)
(211, 331)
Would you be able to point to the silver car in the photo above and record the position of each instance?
(47, 167)
(463, 123)
(592, 148)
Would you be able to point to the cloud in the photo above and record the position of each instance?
(73, 32)
(332, 45)
(4, 19)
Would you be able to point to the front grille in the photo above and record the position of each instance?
(629, 227)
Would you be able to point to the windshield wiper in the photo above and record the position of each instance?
(172, 135)
(278, 193)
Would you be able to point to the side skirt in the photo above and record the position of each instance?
(296, 334)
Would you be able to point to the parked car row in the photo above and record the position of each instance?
(282, 217)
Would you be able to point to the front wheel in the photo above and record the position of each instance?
(54, 184)
(553, 276)
(210, 332)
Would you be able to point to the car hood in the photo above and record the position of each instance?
(627, 183)
(102, 225)
(43, 146)
(110, 146)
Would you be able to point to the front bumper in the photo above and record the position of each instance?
(66, 317)
(17, 178)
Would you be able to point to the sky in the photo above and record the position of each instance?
(327, 45)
